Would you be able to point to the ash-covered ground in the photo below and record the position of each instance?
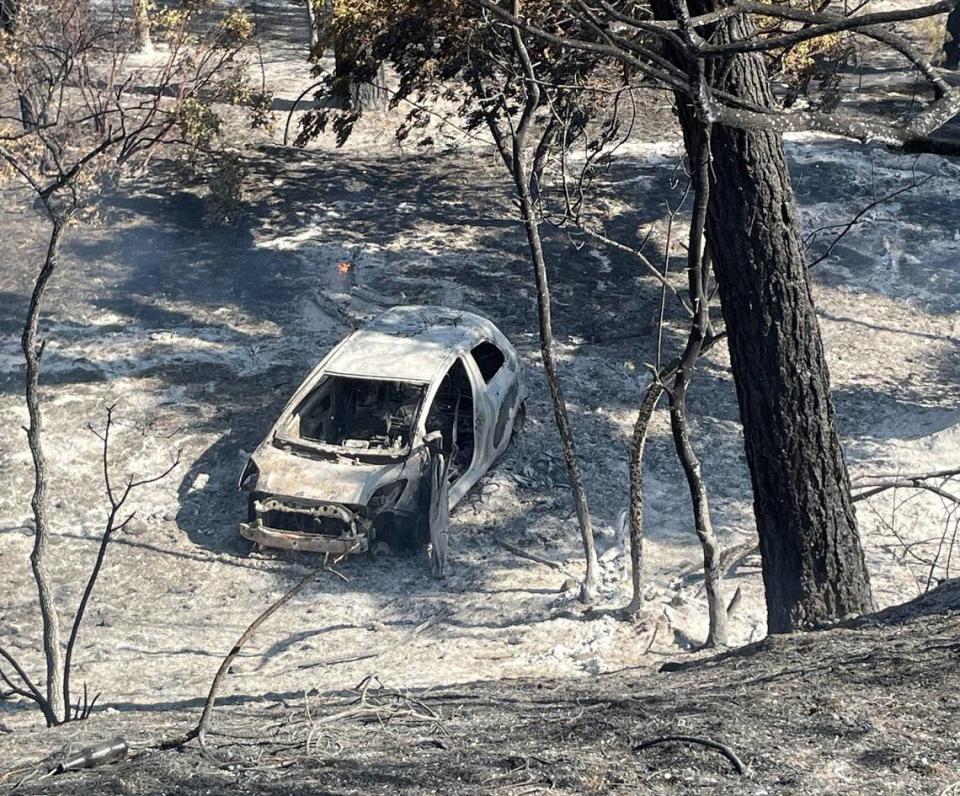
(198, 334)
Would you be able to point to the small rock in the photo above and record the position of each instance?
(200, 482)
(136, 527)
(593, 665)
(568, 585)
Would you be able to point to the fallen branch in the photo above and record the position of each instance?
(532, 557)
(341, 659)
(199, 731)
(377, 704)
(723, 749)
(734, 601)
(734, 555)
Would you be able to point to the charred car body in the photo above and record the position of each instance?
(346, 463)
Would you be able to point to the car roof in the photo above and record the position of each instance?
(410, 343)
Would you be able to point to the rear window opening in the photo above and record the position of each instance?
(359, 414)
(489, 360)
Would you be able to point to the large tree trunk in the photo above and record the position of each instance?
(813, 565)
(353, 91)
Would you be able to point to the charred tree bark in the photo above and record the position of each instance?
(33, 352)
(523, 170)
(712, 573)
(697, 274)
(637, 530)
(813, 564)
(951, 44)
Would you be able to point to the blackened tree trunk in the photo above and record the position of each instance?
(951, 44)
(55, 709)
(813, 564)
(650, 399)
(352, 85)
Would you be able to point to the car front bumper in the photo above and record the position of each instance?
(306, 542)
(315, 528)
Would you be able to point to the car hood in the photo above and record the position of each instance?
(287, 474)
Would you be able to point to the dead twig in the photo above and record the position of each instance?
(517, 551)
(874, 486)
(857, 219)
(199, 731)
(723, 749)
(377, 704)
(336, 661)
(113, 524)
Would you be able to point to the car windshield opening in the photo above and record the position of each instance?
(360, 414)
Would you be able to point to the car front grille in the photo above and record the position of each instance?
(326, 520)
(298, 522)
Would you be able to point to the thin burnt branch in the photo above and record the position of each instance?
(111, 526)
(723, 749)
(858, 218)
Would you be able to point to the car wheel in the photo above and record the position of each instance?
(421, 532)
(248, 549)
(402, 533)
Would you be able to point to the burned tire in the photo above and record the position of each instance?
(403, 533)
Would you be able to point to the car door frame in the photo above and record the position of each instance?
(481, 422)
(471, 474)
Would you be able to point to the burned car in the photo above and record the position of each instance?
(347, 463)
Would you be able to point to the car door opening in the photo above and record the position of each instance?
(452, 415)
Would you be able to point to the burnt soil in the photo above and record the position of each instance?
(866, 707)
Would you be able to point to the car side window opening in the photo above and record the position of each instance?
(365, 414)
(451, 413)
(489, 360)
